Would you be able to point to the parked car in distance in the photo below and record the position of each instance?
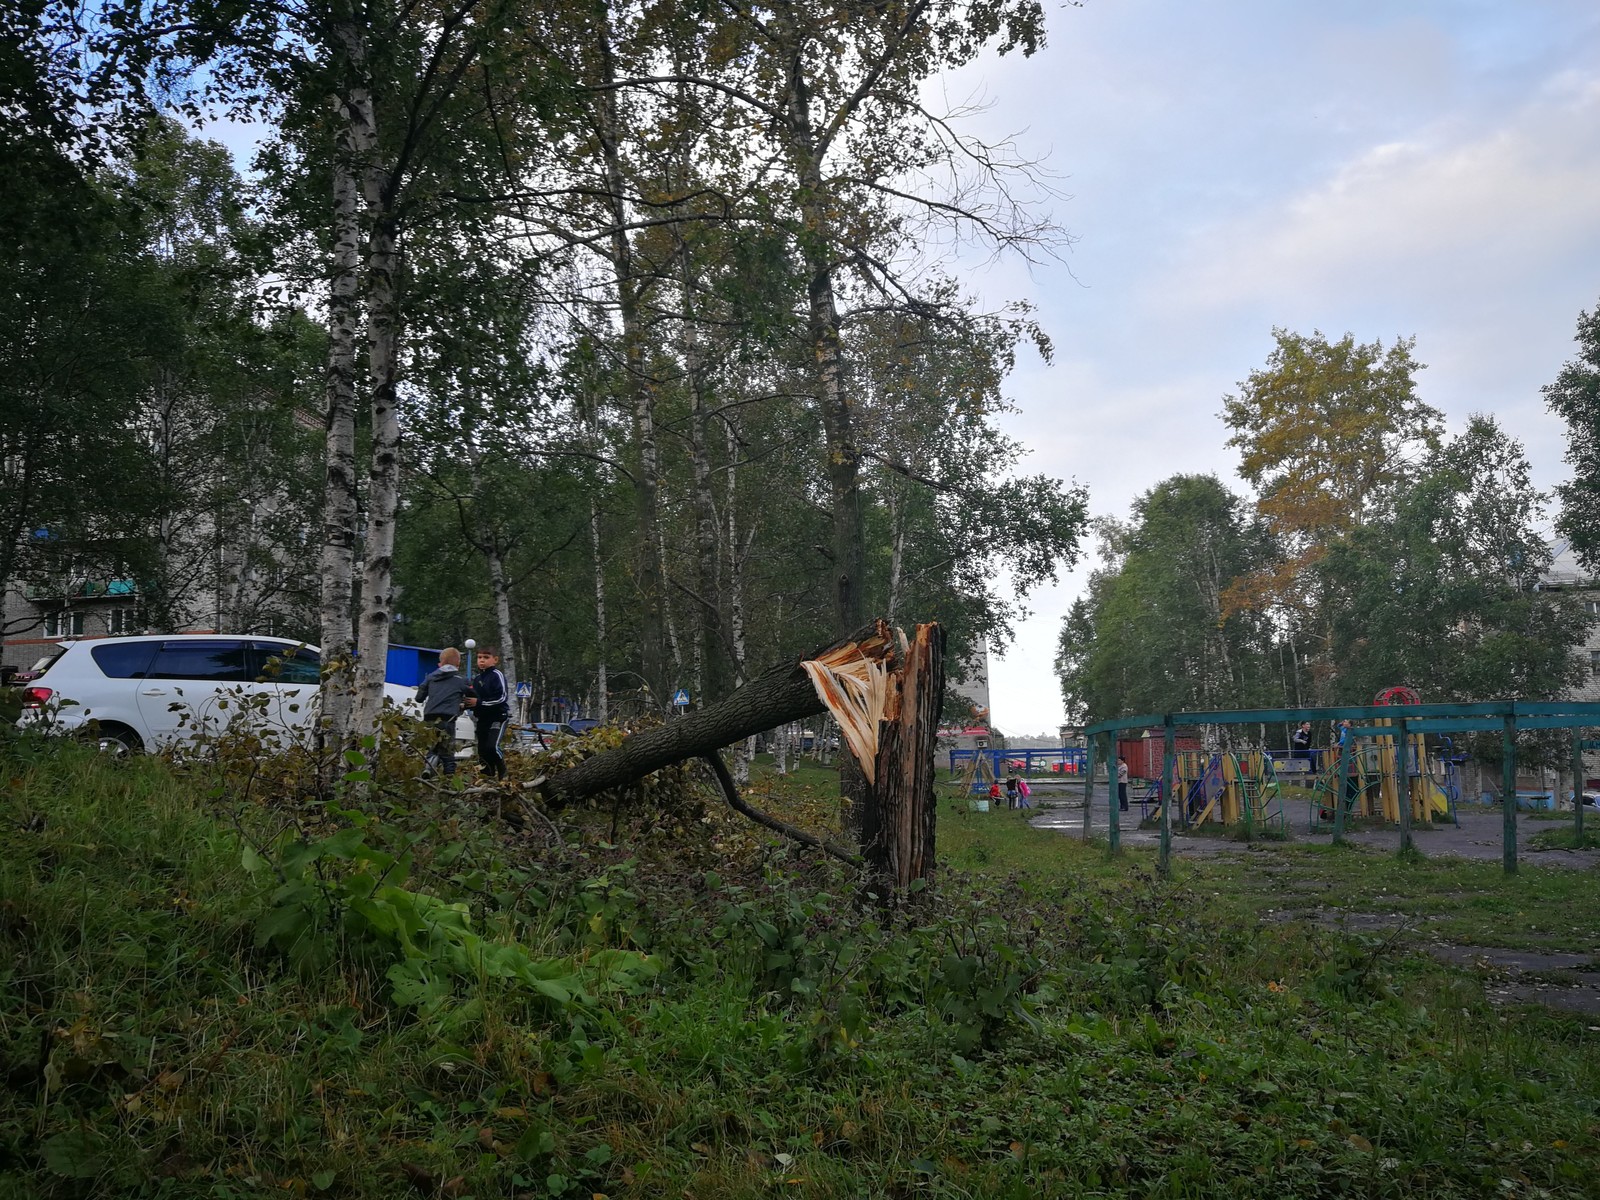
(150, 692)
(582, 725)
(540, 732)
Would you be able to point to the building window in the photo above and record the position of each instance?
(1594, 662)
(122, 620)
(63, 623)
(1592, 607)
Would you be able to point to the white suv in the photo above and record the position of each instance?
(146, 693)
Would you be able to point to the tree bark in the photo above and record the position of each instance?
(784, 693)
(339, 483)
(736, 557)
(501, 591)
(383, 478)
(638, 381)
(709, 656)
(602, 709)
(900, 841)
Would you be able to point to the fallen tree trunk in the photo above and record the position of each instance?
(785, 693)
(886, 695)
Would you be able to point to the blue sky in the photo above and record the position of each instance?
(1389, 169)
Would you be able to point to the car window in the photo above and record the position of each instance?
(45, 663)
(123, 660)
(287, 664)
(219, 662)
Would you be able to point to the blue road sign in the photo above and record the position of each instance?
(680, 698)
(524, 690)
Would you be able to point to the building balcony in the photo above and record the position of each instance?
(81, 589)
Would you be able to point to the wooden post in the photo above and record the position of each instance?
(1164, 862)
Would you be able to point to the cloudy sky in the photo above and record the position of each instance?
(1390, 168)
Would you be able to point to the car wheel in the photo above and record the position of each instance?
(119, 741)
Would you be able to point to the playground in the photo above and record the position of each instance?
(1395, 765)
(1474, 833)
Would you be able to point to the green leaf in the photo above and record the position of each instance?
(74, 1154)
(536, 1142)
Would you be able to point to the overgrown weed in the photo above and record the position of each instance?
(1045, 1021)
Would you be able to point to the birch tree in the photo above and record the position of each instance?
(1575, 397)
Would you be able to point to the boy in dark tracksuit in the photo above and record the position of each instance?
(491, 709)
(442, 695)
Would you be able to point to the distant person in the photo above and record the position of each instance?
(1300, 741)
(1011, 791)
(1122, 783)
(1023, 792)
(994, 794)
(442, 695)
(491, 709)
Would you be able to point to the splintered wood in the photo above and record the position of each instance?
(853, 681)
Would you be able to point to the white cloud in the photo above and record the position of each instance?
(1450, 226)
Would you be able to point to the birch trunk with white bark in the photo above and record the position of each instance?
(383, 478)
(339, 504)
(602, 708)
(502, 613)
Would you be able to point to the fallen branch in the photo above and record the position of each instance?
(730, 792)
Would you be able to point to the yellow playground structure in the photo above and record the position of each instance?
(1367, 782)
(1249, 787)
(1228, 788)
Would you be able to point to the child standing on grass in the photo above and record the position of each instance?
(441, 695)
(994, 794)
(1011, 791)
(1023, 792)
(490, 703)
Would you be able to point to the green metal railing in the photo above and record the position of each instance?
(1508, 717)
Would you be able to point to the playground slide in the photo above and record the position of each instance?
(1437, 798)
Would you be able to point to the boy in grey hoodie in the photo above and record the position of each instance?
(440, 695)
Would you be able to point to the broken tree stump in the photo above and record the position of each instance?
(899, 839)
(888, 714)
(885, 692)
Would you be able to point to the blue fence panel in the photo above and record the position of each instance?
(1056, 762)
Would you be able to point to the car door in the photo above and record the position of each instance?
(287, 678)
(178, 697)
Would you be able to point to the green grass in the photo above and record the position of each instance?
(1049, 1022)
(1567, 839)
